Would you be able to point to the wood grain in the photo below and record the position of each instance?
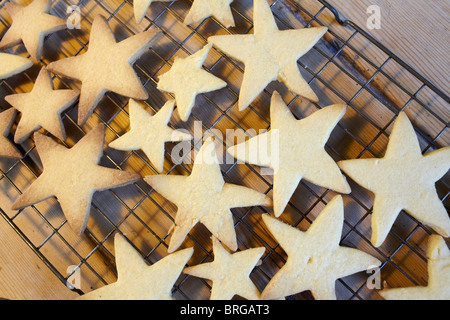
(414, 30)
(22, 274)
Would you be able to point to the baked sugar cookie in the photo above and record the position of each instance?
(186, 79)
(269, 54)
(403, 179)
(438, 287)
(150, 133)
(31, 24)
(294, 149)
(205, 197)
(42, 108)
(106, 66)
(11, 65)
(219, 9)
(136, 279)
(72, 176)
(314, 258)
(7, 148)
(230, 273)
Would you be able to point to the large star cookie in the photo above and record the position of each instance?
(314, 258)
(7, 148)
(42, 108)
(294, 149)
(106, 66)
(186, 79)
(150, 133)
(269, 54)
(403, 179)
(205, 197)
(136, 280)
(230, 272)
(438, 287)
(72, 176)
(31, 24)
(219, 9)
(11, 65)
(141, 6)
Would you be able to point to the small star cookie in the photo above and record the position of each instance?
(186, 79)
(150, 133)
(205, 197)
(136, 279)
(11, 65)
(269, 54)
(294, 149)
(72, 176)
(438, 287)
(42, 108)
(141, 6)
(106, 66)
(403, 179)
(230, 272)
(7, 148)
(219, 9)
(314, 258)
(31, 24)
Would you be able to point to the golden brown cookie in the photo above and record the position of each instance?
(150, 133)
(229, 272)
(42, 108)
(403, 179)
(186, 79)
(31, 24)
(72, 176)
(315, 260)
(106, 66)
(11, 65)
(438, 287)
(205, 197)
(269, 54)
(295, 150)
(136, 279)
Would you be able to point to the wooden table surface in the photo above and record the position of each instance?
(415, 34)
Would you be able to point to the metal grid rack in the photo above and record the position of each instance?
(346, 52)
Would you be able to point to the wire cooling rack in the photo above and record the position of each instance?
(346, 66)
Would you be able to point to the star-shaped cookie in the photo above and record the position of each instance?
(72, 176)
(141, 6)
(11, 65)
(230, 272)
(219, 9)
(30, 25)
(106, 66)
(403, 179)
(294, 149)
(150, 133)
(136, 280)
(186, 79)
(42, 108)
(314, 258)
(438, 287)
(205, 197)
(7, 148)
(269, 54)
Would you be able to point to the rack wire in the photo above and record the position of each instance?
(347, 53)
